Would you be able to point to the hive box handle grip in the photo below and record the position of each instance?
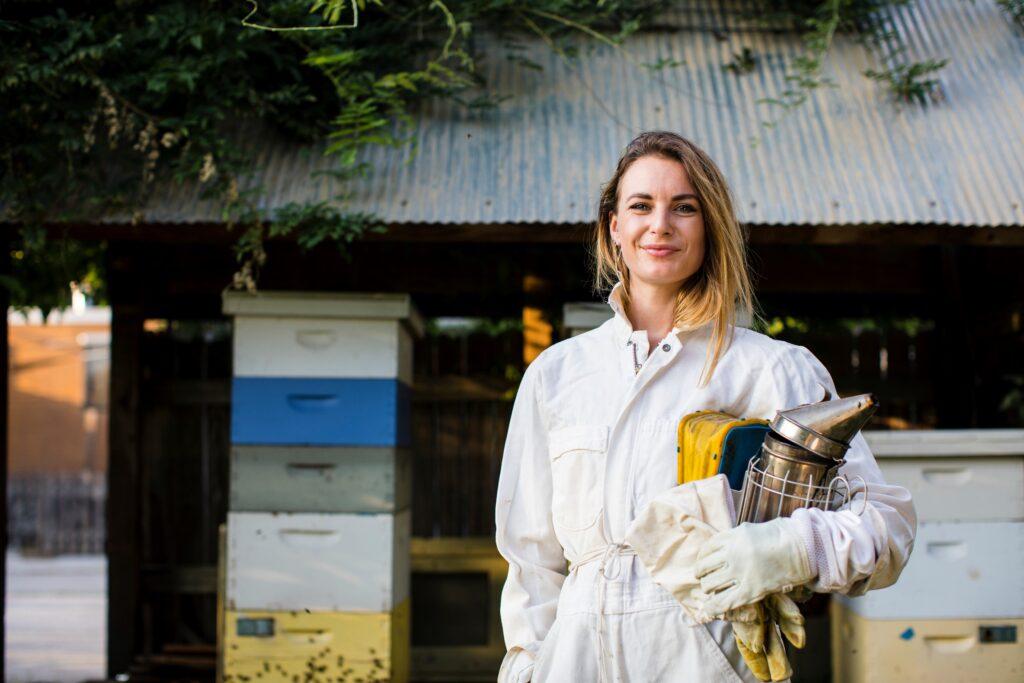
(312, 403)
(309, 469)
(315, 339)
(947, 550)
(309, 538)
(947, 476)
(949, 644)
(305, 635)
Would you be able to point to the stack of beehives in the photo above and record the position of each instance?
(317, 568)
(957, 611)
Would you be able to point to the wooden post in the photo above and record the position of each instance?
(5, 301)
(123, 465)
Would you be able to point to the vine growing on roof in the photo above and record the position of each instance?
(106, 102)
(111, 100)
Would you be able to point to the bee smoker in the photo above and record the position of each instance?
(798, 465)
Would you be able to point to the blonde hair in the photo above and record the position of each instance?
(713, 293)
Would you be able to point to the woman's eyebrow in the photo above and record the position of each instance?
(644, 195)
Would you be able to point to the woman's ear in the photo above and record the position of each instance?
(613, 224)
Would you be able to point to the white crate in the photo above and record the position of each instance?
(946, 489)
(956, 571)
(321, 347)
(320, 562)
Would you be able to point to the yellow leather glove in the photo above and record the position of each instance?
(786, 614)
(756, 630)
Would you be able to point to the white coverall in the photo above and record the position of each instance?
(590, 442)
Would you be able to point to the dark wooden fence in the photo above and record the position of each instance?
(458, 447)
(893, 361)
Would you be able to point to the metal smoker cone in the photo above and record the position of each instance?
(826, 428)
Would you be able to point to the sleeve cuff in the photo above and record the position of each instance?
(517, 667)
(813, 546)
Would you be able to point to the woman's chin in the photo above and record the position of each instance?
(660, 278)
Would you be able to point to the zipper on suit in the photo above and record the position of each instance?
(636, 363)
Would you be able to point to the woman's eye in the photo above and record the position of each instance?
(685, 208)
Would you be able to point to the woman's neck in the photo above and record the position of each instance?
(652, 308)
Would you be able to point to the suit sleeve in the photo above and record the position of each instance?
(853, 553)
(524, 533)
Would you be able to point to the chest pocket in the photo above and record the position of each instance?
(578, 456)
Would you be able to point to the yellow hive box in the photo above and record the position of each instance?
(924, 649)
(317, 646)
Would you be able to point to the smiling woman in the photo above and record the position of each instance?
(667, 229)
(592, 442)
(664, 227)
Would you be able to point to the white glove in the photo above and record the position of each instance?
(670, 530)
(742, 565)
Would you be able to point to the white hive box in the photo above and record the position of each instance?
(956, 475)
(317, 562)
(320, 479)
(322, 347)
(956, 571)
(961, 489)
(323, 334)
(968, 491)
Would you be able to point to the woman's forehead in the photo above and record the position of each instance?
(655, 176)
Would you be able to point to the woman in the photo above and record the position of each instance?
(592, 439)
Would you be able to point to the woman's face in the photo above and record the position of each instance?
(658, 222)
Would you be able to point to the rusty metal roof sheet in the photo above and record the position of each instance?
(850, 155)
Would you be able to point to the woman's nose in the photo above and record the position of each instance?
(659, 222)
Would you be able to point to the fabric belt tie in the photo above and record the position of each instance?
(608, 556)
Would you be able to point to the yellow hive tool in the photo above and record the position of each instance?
(710, 442)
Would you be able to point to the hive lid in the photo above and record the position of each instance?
(351, 305)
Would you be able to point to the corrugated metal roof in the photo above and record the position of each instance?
(850, 155)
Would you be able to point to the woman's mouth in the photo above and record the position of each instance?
(660, 251)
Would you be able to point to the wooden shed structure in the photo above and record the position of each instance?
(886, 237)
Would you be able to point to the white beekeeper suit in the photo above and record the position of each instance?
(590, 442)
